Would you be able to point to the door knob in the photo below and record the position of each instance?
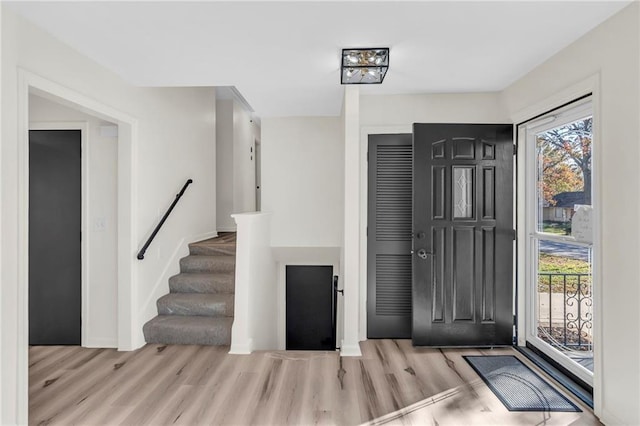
(422, 254)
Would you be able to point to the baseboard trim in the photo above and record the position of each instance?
(241, 348)
(227, 229)
(609, 418)
(100, 342)
(350, 350)
(202, 237)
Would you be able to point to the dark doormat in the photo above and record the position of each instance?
(517, 386)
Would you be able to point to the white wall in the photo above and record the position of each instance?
(236, 173)
(302, 180)
(611, 51)
(174, 140)
(404, 110)
(244, 169)
(100, 325)
(224, 166)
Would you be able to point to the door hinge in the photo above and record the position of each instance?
(367, 156)
(515, 234)
(515, 149)
(367, 232)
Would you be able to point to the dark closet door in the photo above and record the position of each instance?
(463, 234)
(54, 237)
(389, 236)
(309, 313)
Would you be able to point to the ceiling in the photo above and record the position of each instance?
(283, 57)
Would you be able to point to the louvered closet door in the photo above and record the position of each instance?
(389, 236)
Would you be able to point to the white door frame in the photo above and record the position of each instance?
(576, 111)
(29, 82)
(590, 85)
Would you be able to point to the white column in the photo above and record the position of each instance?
(351, 249)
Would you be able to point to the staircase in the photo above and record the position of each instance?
(199, 307)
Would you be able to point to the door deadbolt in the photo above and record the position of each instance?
(422, 254)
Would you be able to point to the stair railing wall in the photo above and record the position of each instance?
(256, 304)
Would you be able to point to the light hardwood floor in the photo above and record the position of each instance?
(392, 383)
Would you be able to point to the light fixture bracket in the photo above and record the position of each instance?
(364, 65)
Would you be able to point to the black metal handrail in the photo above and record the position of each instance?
(164, 218)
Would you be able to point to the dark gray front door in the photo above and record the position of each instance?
(54, 237)
(463, 234)
(389, 237)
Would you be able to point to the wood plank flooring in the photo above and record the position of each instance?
(392, 383)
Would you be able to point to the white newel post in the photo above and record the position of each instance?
(254, 324)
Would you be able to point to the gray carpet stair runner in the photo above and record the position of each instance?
(199, 307)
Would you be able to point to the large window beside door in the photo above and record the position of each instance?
(560, 236)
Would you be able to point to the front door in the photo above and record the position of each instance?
(462, 235)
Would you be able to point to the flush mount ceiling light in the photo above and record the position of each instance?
(364, 66)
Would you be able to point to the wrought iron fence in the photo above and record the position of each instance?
(569, 327)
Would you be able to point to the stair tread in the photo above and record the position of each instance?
(209, 297)
(178, 329)
(197, 298)
(212, 256)
(196, 304)
(224, 245)
(202, 282)
(213, 250)
(203, 275)
(207, 263)
(196, 320)
(223, 238)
